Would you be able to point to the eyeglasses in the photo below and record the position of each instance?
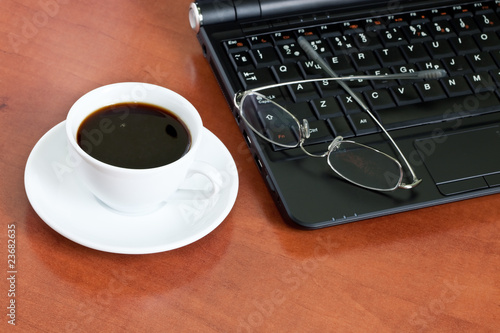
(357, 163)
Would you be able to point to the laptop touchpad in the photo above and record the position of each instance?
(462, 156)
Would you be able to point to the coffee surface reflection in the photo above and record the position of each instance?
(134, 136)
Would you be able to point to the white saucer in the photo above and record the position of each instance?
(67, 207)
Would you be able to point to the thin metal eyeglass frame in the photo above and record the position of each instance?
(304, 128)
(304, 134)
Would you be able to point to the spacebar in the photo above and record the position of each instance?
(440, 110)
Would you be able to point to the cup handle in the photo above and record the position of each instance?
(209, 172)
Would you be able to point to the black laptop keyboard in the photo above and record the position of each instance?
(463, 40)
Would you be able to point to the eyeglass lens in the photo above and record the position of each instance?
(365, 166)
(270, 120)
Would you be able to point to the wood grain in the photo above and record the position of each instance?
(432, 270)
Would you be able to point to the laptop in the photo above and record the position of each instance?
(447, 128)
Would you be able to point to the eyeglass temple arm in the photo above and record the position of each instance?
(426, 74)
(306, 46)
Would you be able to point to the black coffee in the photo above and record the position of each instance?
(134, 135)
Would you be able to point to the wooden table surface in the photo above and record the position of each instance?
(432, 270)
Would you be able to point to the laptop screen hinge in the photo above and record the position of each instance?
(209, 12)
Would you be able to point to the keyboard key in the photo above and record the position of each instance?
(321, 47)
(415, 52)
(287, 73)
(303, 92)
(241, 60)
(410, 115)
(441, 29)
(461, 11)
(481, 82)
(417, 33)
(379, 99)
(457, 65)
(358, 84)
(488, 41)
(311, 69)
(465, 25)
(496, 76)
(439, 49)
(393, 37)
(430, 90)
(456, 86)
(421, 17)
(464, 44)
(367, 40)
(341, 127)
(343, 44)
(330, 88)
(236, 44)
(398, 21)
(327, 108)
(405, 69)
(265, 57)
(301, 111)
(432, 64)
(280, 134)
(375, 24)
(341, 64)
(365, 61)
(351, 28)
(319, 132)
(482, 8)
(256, 78)
(273, 94)
(291, 52)
(308, 33)
(441, 14)
(260, 41)
(482, 61)
(390, 57)
(362, 123)
(283, 37)
(273, 127)
(349, 104)
(405, 95)
(488, 21)
(381, 83)
(437, 111)
(496, 56)
(329, 30)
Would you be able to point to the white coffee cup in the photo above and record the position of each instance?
(137, 191)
